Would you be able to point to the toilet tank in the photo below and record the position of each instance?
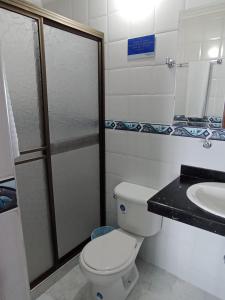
(132, 211)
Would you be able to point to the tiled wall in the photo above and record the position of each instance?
(73, 9)
(217, 89)
(143, 90)
(37, 2)
(201, 38)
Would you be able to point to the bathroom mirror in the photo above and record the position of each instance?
(200, 72)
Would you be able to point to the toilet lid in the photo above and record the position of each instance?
(110, 251)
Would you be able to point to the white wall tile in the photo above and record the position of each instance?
(151, 173)
(118, 108)
(107, 161)
(111, 183)
(143, 26)
(97, 8)
(167, 14)
(118, 57)
(153, 109)
(166, 46)
(168, 149)
(101, 25)
(117, 54)
(142, 171)
(109, 203)
(106, 53)
(181, 90)
(37, 2)
(64, 8)
(117, 141)
(196, 3)
(118, 27)
(172, 260)
(112, 6)
(117, 164)
(107, 108)
(152, 80)
(106, 82)
(141, 81)
(111, 219)
(198, 259)
(118, 82)
(80, 11)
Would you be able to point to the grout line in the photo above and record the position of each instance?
(99, 17)
(134, 66)
(128, 36)
(147, 95)
(145, 66)
(114, 94)
(130, 156)
(125, 39)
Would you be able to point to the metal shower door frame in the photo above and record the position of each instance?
(43, 16)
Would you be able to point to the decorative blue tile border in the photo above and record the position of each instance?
(191, 132)
(179, 129)
(218, 134)
(130, 126)
(205, 122)
(156, 128)
(110, 124)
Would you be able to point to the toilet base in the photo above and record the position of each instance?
(119, 289)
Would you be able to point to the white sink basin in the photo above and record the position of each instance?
(209, 196)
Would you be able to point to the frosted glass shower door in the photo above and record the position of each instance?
(19, 51)
(20, 54)
(73, 103)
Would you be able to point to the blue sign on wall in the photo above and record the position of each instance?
(141, 46)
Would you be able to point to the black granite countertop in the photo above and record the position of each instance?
(172, 201)
(8, 198)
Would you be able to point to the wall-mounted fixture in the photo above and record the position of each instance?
(170, 62)
(207, 144)
(140, 47)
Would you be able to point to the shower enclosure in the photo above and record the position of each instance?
(54, 71)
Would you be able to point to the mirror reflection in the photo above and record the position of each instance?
(200, 77)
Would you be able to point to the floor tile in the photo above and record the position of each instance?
(154, 284)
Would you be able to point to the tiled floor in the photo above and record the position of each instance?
(153, 284)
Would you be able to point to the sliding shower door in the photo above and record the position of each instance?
(73, 97)
(53, 68)
(20, 61)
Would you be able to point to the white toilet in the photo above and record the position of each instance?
(108, 262)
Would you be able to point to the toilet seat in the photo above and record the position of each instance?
(109, 252)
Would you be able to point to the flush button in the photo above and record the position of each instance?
(123, 208)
